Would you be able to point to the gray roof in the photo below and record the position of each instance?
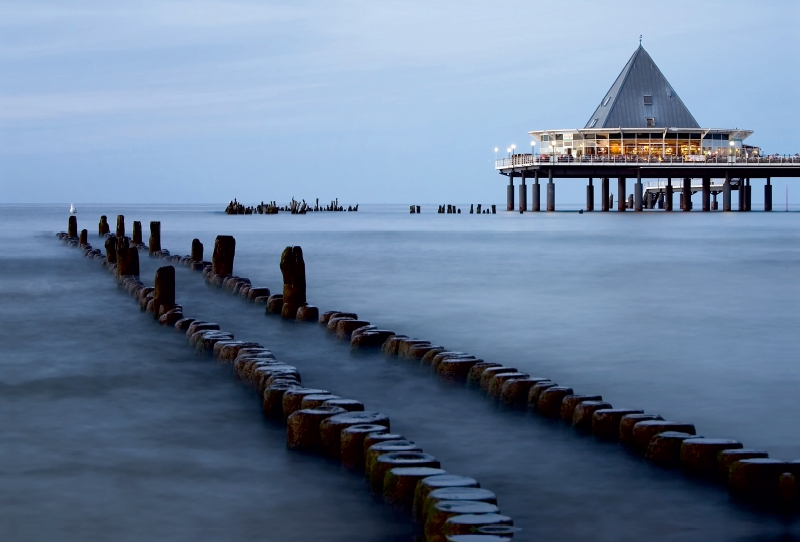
(623, 106)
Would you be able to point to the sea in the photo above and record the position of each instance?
(112, 428)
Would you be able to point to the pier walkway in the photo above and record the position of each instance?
(732, 173)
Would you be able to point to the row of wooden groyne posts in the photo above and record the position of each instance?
(453, 210)
(294, 207)
(750, 474)
(444, 506)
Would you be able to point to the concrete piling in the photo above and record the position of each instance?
(768, 195)
(536, 199)
(621, 191)
(637, 192)
(120, 226)
(154, 243)
(604, 195)
(686, 195)
(523, 195)
(551, 192)
(293, 269)
(510, 194)
(590, 196)
(706, 194)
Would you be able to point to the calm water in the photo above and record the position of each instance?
(113, 429)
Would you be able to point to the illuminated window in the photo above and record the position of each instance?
(648, 99)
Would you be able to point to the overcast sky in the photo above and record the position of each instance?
(367, 101)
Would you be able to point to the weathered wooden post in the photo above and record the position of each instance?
(120, 226)
(197, 250)
(155, 237)
(102, 227)
(164, 292)
(224, 253)
(84, 239)
(111, 249)
(72, 226)
(136, 237)
(127, 258)
(294, 281)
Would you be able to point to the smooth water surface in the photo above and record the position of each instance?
(116, 430)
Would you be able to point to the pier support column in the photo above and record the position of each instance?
(742, 196)
(747, 195)
(551, 192)
(637, 192)
(590, 196)
(687, 195)
(621, 191)
(536, 196)
(668, 195)
(510, 193)
(604, 194)
(768, 195)
(706, 194)
(523, 195)
(726, 193)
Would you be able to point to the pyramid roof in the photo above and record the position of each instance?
(641, 92)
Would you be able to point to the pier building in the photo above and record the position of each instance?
(641, 129)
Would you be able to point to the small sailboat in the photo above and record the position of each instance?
(72, 209)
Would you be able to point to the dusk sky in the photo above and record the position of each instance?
(370, 102)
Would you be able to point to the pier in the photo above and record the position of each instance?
(684, 176)
(642, 130)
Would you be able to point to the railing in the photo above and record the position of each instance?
(526, 160)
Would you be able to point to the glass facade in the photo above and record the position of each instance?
(696, 145)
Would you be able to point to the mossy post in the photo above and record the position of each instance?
(127, 258)
(155, 237)
(102, 227)
(111, 249)
(164, 293)
(136, 236)
(197, 251)
(72, 226)
(294, 281)
(224, 253)
(120, 225)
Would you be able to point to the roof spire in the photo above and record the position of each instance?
(640, 40)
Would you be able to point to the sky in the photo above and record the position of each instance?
(365, 101)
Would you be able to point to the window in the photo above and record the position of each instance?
(605, 102)
(651, 122)
(545, 137)
(594, 121)
(648, 99)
